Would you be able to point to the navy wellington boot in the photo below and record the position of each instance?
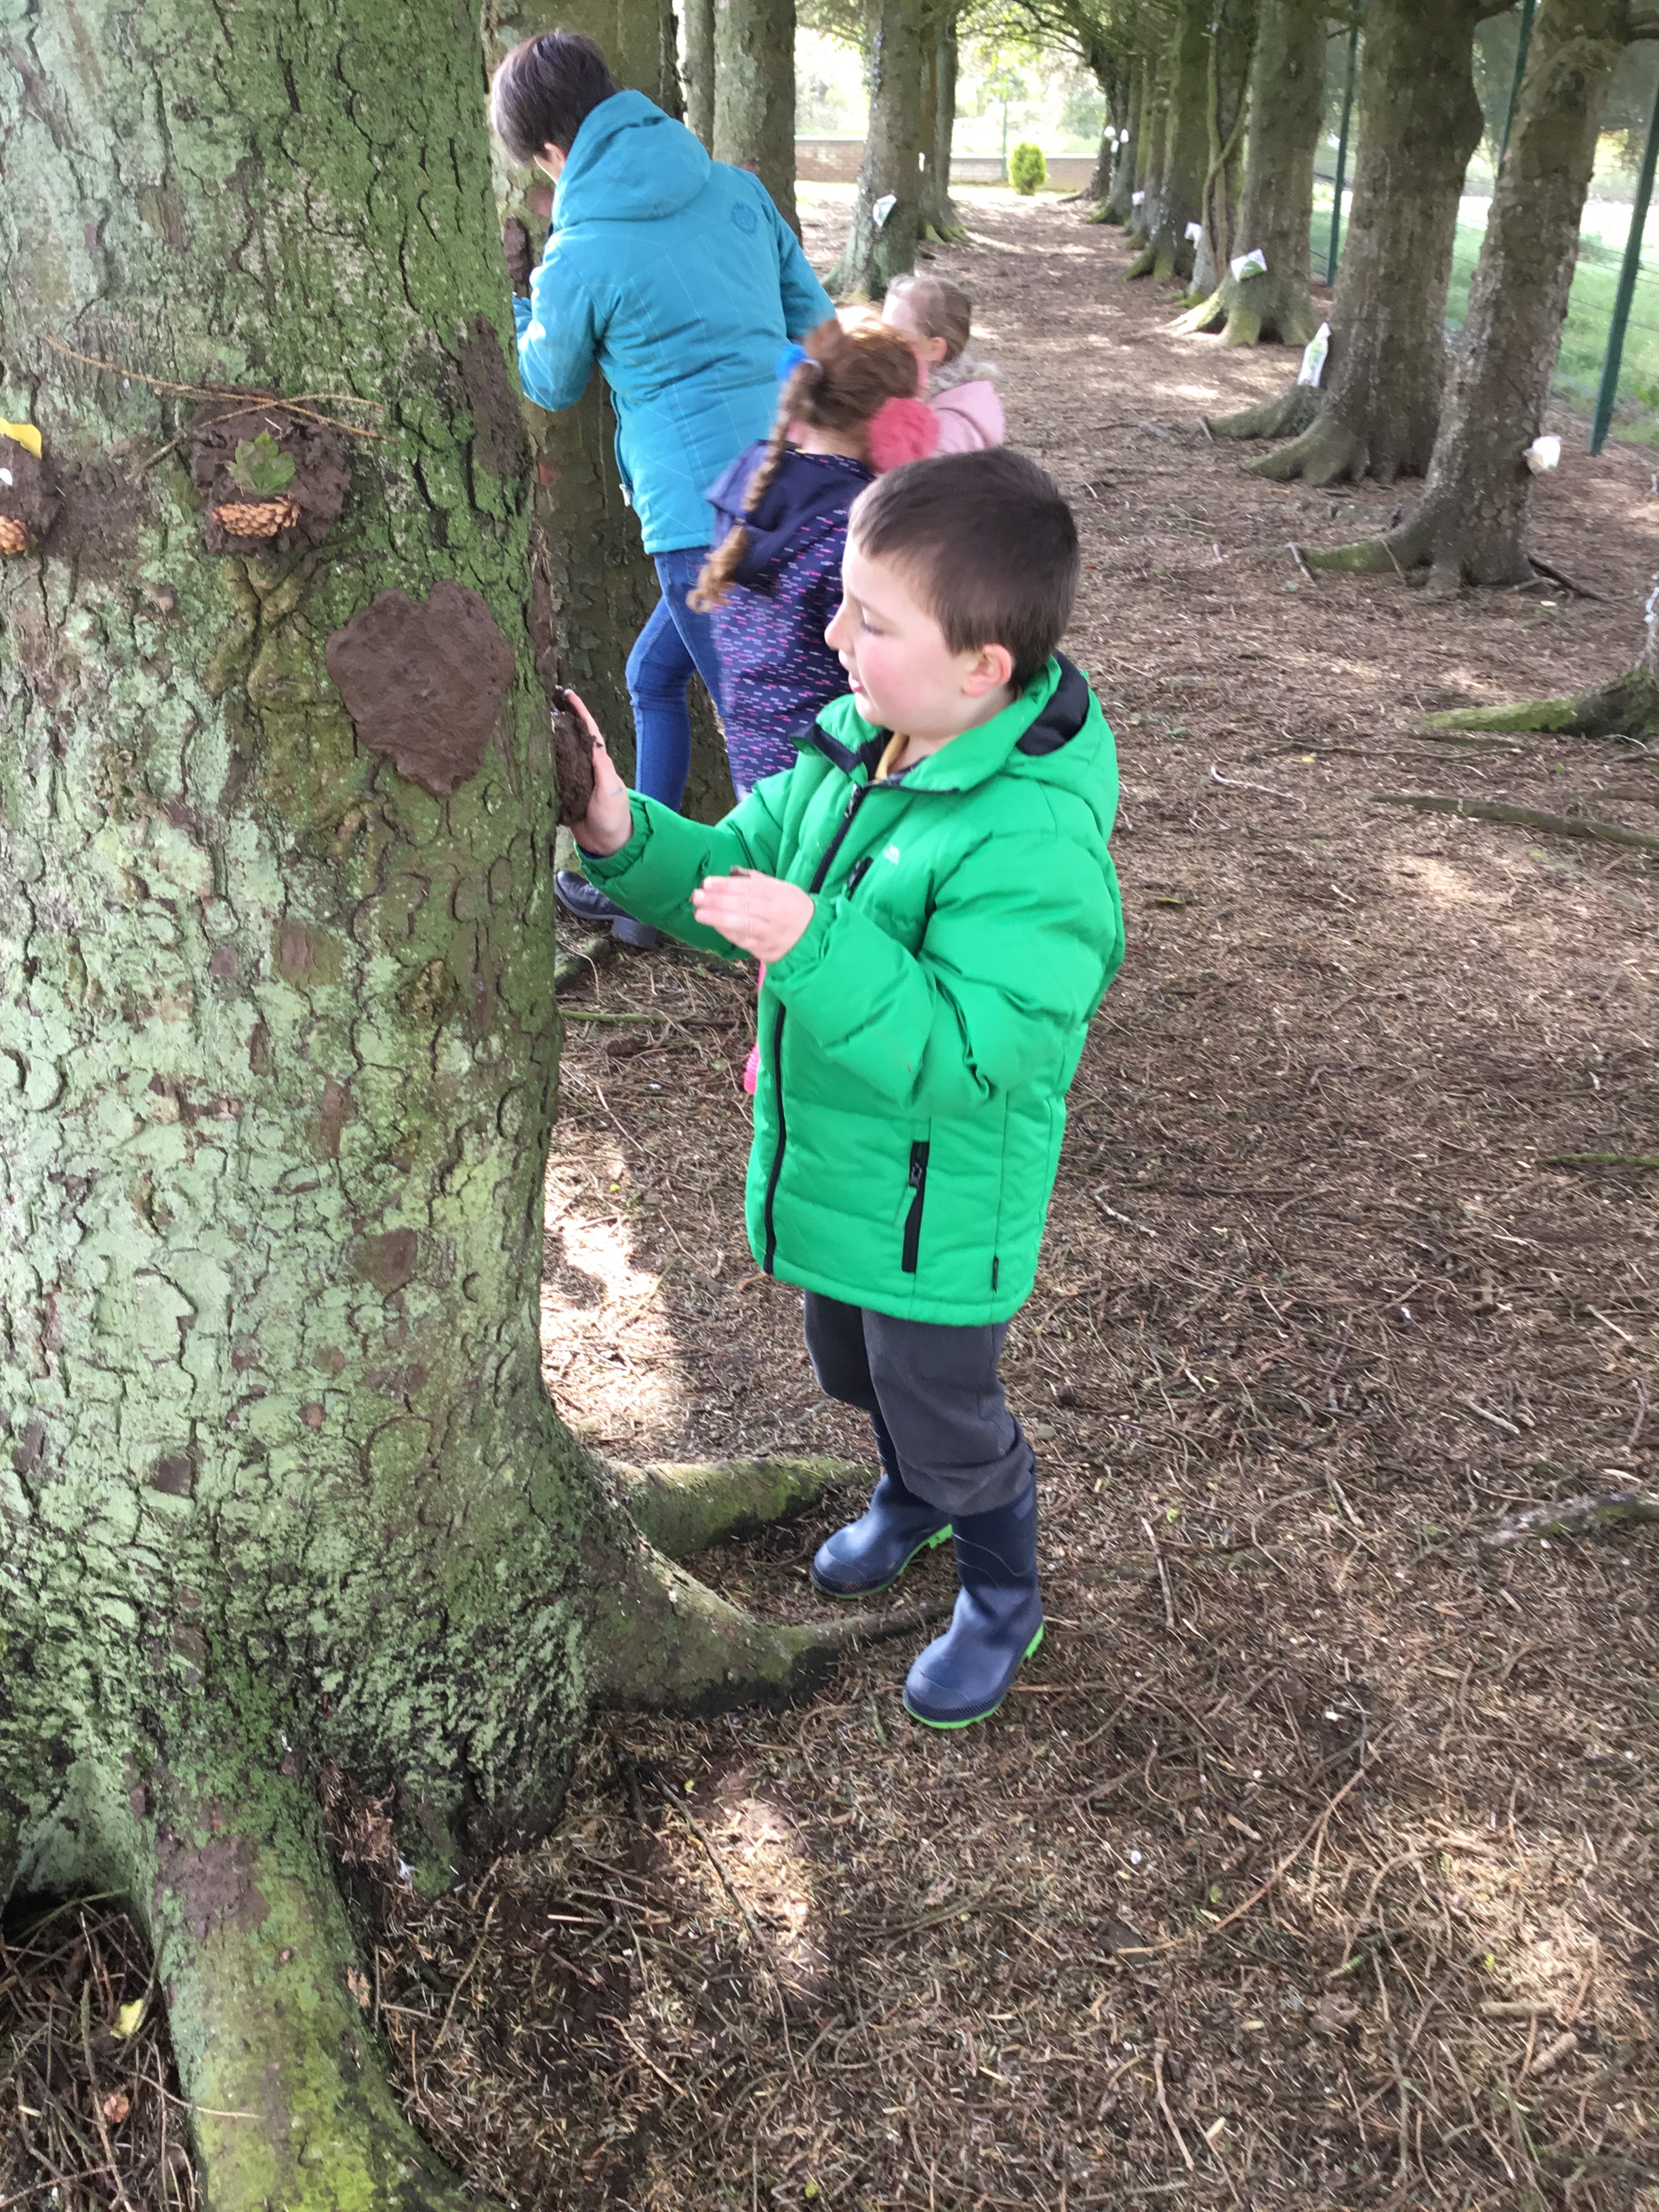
(871, 1553)
(964, 1674)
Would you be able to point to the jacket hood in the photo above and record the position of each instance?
(1054, 733)
(804, 486)
(630, 163)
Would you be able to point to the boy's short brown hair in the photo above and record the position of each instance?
(545, 89)
(988, 544)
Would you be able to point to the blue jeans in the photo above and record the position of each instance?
(675, 645)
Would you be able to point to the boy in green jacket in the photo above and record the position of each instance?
(930, 890)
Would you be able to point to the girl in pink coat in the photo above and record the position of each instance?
(935, 320)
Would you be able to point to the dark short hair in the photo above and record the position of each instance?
(545, 90)
(988, 544)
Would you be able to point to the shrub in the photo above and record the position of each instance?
(1027, 170)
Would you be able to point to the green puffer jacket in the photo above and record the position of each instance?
(918, 1042)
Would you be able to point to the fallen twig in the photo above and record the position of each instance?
(466, 1973)
(1598, 1160)
(1296, 555)
(1158, 2049)
(1525, 817)
(1242, 783)
(1163, 1576)
(1573, 1517)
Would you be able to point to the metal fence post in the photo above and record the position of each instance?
(1627, 276)
(1528, 9)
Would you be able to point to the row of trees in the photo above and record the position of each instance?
(1215, 110)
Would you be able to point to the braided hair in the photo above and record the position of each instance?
(846, 378)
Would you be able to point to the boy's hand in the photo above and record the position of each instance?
(760, 914)
(609, 822)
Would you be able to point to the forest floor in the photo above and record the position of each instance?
(1312, 1861)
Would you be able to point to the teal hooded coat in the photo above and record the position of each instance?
(680, 278)
(918, 1042)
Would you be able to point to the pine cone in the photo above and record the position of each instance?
(258, 517)
(13, 535)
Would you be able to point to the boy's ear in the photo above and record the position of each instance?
(991, 669)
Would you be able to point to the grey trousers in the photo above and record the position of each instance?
(934, 1397)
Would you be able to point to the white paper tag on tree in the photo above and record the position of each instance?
(1543, 455)
(1194, 232)
(1254, 263)
(1313, 359)
(883, 208)
(1135, 198)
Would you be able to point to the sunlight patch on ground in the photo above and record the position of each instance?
(1438, 883)
(758, 1845)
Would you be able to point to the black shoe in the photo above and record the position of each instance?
(589, 904)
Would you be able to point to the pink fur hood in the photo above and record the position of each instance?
(969, 415)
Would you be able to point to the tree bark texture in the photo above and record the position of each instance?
(1288, 85)
(278, 1047)
(1149, 144)
(882, 241)
(1420, 121)
(603, 583)
(1232, 42)
(700, 69)
(1470, 525)
(1177, 197)
(1117, 204)
(939, 219)
(755, 94)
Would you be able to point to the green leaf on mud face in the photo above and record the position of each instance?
(261, 468)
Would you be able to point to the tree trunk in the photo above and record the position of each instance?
(1420, 121)
(1287, 89)
(886, 213)
(755, 94)
(1627, 707)
(1178, 196)
(1471, 522)
(700, 70)
(939, 220)
(282, 1482)
(1117, 206)
(1232, 43)
(1149, 145)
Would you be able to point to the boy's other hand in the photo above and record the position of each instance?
(515, 246)
(762, 913)
(609, 822)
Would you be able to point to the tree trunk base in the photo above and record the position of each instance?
(1628, 706)
(1328, 451)
(683, 1509)
(1249, 310)
(1434, 542)
(1157, 259)
(944, 233)
(1286, 416)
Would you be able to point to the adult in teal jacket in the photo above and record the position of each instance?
(677, 276)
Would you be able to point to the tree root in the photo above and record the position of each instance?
(1573, 1517)
(1286, 416)
(1247, 310)
(291, 2103)
(1157, 259)
(1525, 817)
(663, 1640)
(1628, 706)
(578, 967)
(683, 1509)
(1327, 452)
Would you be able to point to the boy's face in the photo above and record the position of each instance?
(902, 671)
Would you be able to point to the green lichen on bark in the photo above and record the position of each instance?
(881, 243)
(683, 1508)
(279, 1481)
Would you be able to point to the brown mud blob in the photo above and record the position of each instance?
(494, 405)
(319, 482)
(573, 759)
(33, 497)
(423, 681)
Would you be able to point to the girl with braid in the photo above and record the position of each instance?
(847, 411)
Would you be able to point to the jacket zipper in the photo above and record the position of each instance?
(913, 1222)
(813, 888)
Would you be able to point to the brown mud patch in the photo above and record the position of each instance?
(321, 477)
(423, 681)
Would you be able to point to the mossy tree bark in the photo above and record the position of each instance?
(1232, 43)
(1420, 121)
(755, 94)
(1470, 525)
(1149, 144)
(1175, 198)
(603, 583)
(887, 210)
(281, 1482)
(700, 69)
(1627, 707)
(938, 218)
(1287, 87)
(1116, 204)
